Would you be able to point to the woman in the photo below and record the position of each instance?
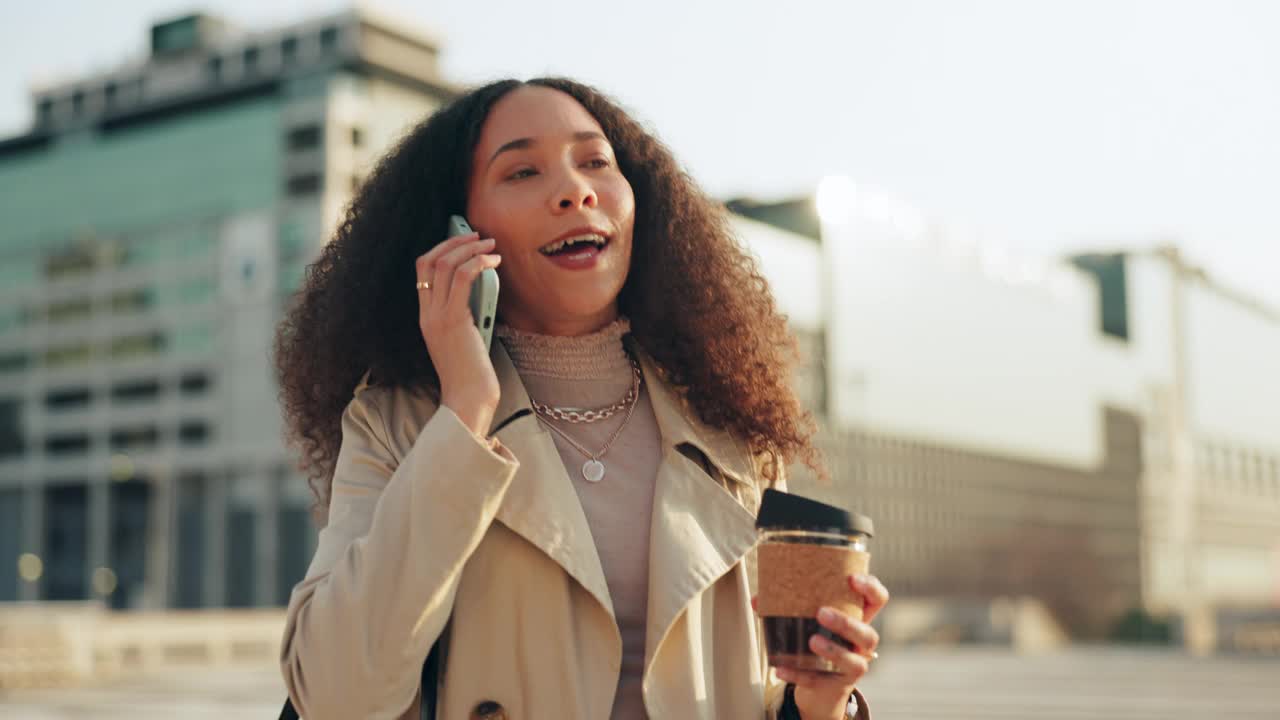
(573, 565)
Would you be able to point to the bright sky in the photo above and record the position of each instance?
(1044, 125)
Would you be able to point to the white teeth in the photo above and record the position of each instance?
(598, 240)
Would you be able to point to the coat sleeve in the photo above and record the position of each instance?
(775, 689)
(381, 584)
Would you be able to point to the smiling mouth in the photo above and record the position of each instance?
(574, 244)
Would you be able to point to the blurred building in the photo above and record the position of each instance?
(1100, 432)
(1011, 428)
(157, 217)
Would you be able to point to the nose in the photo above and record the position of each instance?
(575, 192)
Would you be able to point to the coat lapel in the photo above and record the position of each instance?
(699, 530)
(541, 505)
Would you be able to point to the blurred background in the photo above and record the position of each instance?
(1029, 248)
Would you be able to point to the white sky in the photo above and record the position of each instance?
(1045, 125)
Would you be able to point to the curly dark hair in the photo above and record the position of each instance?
(695, 297)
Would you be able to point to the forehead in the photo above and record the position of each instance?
(533, 112)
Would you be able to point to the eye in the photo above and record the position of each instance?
(522, 174)
(599, 162)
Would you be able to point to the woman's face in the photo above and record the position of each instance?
(546, 186)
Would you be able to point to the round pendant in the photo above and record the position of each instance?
(593, 471)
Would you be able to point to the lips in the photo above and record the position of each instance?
(576, 240)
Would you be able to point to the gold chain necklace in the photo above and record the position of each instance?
(593, 469)
(582, 415)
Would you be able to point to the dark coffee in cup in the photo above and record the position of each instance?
(806, 552)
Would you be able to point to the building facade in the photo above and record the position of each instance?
(158, 218)
(1010, 430)
(1120, 401)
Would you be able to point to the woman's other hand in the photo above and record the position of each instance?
(823, 696)
(468, 383)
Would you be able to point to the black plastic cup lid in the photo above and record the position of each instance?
(785, 511)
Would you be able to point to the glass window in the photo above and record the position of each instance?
(11, 318)
(194, 241)
(80, 353)
(192, 490)
(44, 111)
(130, 511)
(12, 440)
(70, 263)
(241, 578)
(175, 35)
(68, 398)
(132, 300)
(193, 383)
(251, 60)
(136, 390)
(65, 543)
(143, 437)
(328, 39)
(197, 291)
(17, 272)
(182, 243)
(192, 339)
(290, 278)
(304, 184)
(304, 138)
(11, 542)
(214, 69)
(192, 291)
(193, 432)
(14, 361)
(146, 251)
(67, 444)
(296, 535)
(137, 345)
(68, 310)
(289, 50)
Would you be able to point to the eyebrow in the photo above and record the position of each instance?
(524, 143)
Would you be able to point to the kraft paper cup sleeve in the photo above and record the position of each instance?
(795, 579)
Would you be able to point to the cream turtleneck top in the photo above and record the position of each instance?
(594, 371)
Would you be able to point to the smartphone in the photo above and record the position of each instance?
(484, 291)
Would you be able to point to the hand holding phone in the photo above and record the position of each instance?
(484, 291)
(455, 335)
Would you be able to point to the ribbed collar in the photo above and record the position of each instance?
(595, 356)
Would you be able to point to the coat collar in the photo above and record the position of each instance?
(698, 530)
(677, 422)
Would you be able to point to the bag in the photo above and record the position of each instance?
(430, 680)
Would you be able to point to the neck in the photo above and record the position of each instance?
(599, 355)
(561, 326)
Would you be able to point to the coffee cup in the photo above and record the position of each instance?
(806, 552)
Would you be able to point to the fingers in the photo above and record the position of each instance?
(851, 669)
(850, 665)
(859, 634)
(426, 261)
(444, 269)
(874, 594)
(464, 277)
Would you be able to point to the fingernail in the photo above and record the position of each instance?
(826, 615)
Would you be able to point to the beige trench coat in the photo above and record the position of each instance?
(429, 524)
